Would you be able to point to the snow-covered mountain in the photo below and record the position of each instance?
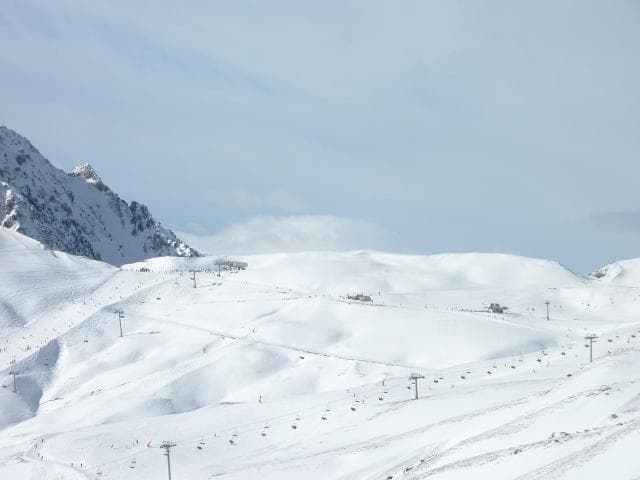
(76, 212)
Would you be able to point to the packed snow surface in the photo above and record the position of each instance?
(271, 373)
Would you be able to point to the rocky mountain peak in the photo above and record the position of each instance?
(87, 172)
(76, 212)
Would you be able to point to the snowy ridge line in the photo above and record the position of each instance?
(339, 356)
(254, 300)
(255, 340)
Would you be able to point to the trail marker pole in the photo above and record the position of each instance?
(168, 446)
(547, 304)
(194, 278)
(591, 338)
(415, 377)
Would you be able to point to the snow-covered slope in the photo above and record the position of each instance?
(272, 373)
(75, 212)
(35, 278)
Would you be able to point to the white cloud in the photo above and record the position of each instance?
(286, 201)
(295, 233)
(242, 199)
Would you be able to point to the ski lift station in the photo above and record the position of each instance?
(360, 298)
(497, 308)
(227, 264)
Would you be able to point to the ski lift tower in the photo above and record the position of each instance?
(591, 337)
(14, 373)
(415, 377)
(120, 314)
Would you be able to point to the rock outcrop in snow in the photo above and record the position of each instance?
(621, 272)
(76, 212)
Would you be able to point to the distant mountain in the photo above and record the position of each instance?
(76, 212)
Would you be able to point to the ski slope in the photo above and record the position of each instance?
(272, 373)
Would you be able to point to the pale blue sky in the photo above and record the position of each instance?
(410, 126)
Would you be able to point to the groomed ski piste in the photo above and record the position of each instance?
(272, 373)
